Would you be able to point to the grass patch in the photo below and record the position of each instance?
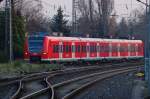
(22, 68)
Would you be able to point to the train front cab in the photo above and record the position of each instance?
(33, 47)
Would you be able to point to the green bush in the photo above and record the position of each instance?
(21, 68)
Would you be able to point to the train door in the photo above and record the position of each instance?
(126, 49)
(73, 50)
(77, 49)
(98, 49)
(110, 49)
(129, 49)
(104, 49)
(114, 49)
(60, 49)
(123, 49)
(88, 50)
(55, 49)
(67, 53)
(93, 52)
(118, 49)
(83, 50)
(132, 47)
(136, 49)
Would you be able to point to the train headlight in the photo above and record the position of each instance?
(26, 53)
(44, 53)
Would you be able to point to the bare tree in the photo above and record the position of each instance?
(95, 15)
(112, 25)
(32, 12)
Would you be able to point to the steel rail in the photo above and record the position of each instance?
(47, 76)
(38, 75)
(30, 78)
(65, 83)
(54, 77)
(85, 86)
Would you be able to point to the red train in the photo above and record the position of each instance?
(69, 49)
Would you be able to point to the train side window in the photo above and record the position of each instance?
(55, 48)
(64, 48)
(87, 48)
(136, 48)
(73, 48)
(78, 48)
(132, 48)
(101, 48)
(90, 49)
(60, 49)
(67, 48)
(120, 48)
(98, 48)
(95, 48)
(114, 49)
(105, 48)
(139, 48)
(83, 48)
(108, 49)
(70, 48)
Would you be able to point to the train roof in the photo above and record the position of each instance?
(90, 39)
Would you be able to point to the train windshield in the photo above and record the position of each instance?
(35, 41)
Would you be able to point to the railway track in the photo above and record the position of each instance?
(42, 85)
(60, 77)
(36, 85)
(70, 88)
(31, 84)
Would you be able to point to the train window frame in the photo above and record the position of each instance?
(67, 48)
(60, 48)
(83, 48)
(70, 49)
(64, 48)
(78, 50)
(73, 48)
(55, 48)
(114, 48)
(102, 48)
(88, 48)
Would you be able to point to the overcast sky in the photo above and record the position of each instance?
(123, 8)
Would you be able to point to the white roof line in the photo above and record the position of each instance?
(92, 39)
